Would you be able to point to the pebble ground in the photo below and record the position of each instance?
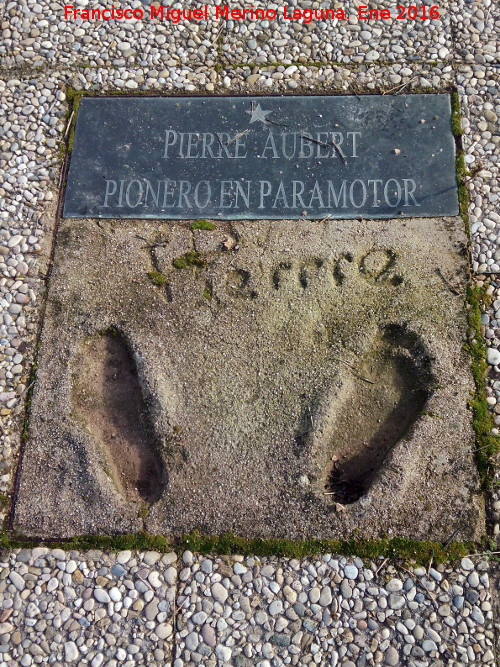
(96, 608)
(151, 609)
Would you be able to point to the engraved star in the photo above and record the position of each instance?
(258, 114)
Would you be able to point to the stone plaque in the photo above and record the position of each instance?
(294, 380)
(230, 158)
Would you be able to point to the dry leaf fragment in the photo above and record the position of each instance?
(229, 243)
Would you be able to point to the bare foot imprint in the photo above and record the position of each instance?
(107, 399)
(390, 389)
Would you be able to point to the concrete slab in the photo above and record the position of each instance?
(280, 379)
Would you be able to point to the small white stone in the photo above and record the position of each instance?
(219, 592)
(17, 580)
(71, 652)
(52, 584)
(170, 576)
(351, 571)
(276, 607)
(163, 630)
(154, 579)
(115, 594)
(101, 595)
(326, 596)
(394, 585)
(466, 564)
(199, 618)
(192, 641)
(71, 566)
(223, 653)
(97, 660)
(120, 654)
(493, 356)
(187, 557)
(123, 557)
(15, 240)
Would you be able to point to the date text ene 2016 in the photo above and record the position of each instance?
(251, 13)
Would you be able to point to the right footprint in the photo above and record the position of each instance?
(390, 388)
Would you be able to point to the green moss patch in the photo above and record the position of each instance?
(400, 548)
(488, 445)
(203, 224)
(456, 116)
(411, 551)
(73, 98)
(157, 278)
(461, 170)
(134, 542)
(189, 259)
(463, 193)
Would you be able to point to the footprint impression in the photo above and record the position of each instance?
(350, 430)
(108, 400)
(388, 390)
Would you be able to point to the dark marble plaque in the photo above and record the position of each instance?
(368, 156)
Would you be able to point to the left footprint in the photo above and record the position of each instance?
(107, 399)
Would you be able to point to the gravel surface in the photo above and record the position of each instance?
(146, 608)
(349, 40)
(86, 609)
(476, 27)
(36, 34)
(478, 86)
(331, 611)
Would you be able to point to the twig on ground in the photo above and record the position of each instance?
(452, 289)
(154, 244)
(483, 553)
(69, 124)
(455, 532)
(386, 92)
(237, 136)
(357, 373)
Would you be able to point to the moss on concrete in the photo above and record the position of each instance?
(203, 224)
(463, 193)
(488, 445)
(456, 116)
(397, 548)
(460, 167)
(73, 98)
(157, 278)
(142, 541)
(412, 551)
(191, 258)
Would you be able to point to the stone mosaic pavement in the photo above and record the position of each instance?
(139, 609)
